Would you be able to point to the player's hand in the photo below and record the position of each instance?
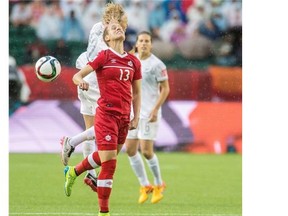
(84, 86)
(153, 116)
(133, 123)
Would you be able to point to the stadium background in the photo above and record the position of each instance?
(200, 140)
(199, 41)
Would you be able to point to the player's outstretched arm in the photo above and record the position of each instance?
(78, 77)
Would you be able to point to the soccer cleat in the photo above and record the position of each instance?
(103, 214)
(70, 176)
(67, 150)
(158, 193)
(91, 181)
(144, 191)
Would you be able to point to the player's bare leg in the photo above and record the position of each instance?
(153, 163)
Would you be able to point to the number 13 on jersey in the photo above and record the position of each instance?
(124, 74)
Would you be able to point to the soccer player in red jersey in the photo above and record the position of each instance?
(119, 78)
(88, 99)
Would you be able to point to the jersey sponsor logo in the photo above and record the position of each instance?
(130, 63)
(107, 137)
(113, 61)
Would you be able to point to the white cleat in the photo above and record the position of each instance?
(67, 150)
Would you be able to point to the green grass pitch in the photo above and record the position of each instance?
(197, 185)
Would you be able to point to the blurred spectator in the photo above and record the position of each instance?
(21, 14)
(195, 15)
(192, 26)
(72, 29)
(185, 5)
(156, 19)
(35, 50)
(62, 53)
(217, 23)
(72, 5)
(163, 50)
(56, 7)
(37, 10)
(19, 90)
(137, 15)
(124, 3)
(233, 12)
(179, 34)
(172, 5)
(223, 51)
(50, 24)
(228, 48)
(11, 5)
(196, 47)
(91, 15)
(214, 27)
(219, 19)
(171, 26)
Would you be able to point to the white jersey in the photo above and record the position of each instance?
(96, 43)
(154, 71)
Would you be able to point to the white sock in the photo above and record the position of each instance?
(89, 147)
(154, 166)
(138, 167)
(88, 134)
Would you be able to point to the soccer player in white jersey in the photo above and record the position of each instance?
(155, 89)
(88, 99)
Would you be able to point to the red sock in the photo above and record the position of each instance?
(96, 158)
(86, 165)
(104, 184)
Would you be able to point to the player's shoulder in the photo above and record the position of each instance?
(97, 28)
(103, 55)
(134, 59)
(155, 61)
(98, 25)
(132, 56)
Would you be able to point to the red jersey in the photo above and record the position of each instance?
(115, 74)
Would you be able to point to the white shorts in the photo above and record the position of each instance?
(88, 100)
(145, 130)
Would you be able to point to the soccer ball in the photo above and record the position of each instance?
(47, 68)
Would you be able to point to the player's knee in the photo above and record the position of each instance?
(148, 154)
(131, 152)
(108, 169)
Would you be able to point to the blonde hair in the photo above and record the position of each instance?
(112, 11)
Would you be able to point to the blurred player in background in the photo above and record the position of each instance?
(155, 89)
(88, 99)
(119, 79)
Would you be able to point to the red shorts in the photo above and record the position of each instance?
(110, 130)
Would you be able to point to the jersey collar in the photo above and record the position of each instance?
(122, 56)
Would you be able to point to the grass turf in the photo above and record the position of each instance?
(197, 185)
